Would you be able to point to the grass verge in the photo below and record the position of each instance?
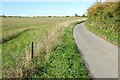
(64, 62)
(105, 34)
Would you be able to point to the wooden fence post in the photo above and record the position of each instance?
(32, 51)
(46, 34)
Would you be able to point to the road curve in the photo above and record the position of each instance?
(100, 55)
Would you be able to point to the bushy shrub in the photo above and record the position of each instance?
(105, 16)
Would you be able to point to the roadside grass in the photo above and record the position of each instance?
(0, 61)
(105, 34)
(17, 49)
(64, 62)
(13, 51)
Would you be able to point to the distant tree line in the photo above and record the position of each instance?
(105, 16)
(76, 15)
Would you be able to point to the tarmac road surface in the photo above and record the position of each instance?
(100, 56)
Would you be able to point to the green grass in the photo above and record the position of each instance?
(0, 61)
(17, 46)
(65, 60)
(14, 51)
(19, 33)
(105, 34)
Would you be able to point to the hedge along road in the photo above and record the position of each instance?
(100, 56)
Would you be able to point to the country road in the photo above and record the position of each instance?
(100, 56)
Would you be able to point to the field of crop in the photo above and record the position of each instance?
(17, 37)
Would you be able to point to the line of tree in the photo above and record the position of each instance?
(105, 16)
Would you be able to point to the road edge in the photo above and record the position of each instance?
(81, 54)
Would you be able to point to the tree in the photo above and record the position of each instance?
(67, 16)
(49, 16)
(83, 15)
(3, 15)
(76, 15)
